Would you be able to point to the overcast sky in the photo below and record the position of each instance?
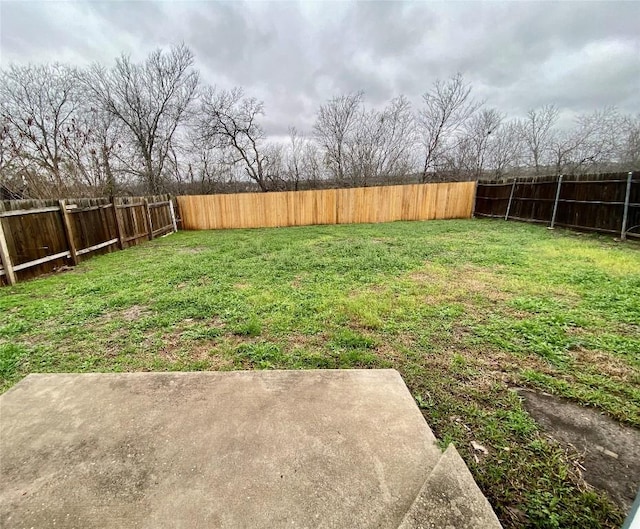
(578, 55)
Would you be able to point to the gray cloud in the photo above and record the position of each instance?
(581, 56)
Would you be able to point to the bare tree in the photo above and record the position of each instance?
(312, 166)
(10, 149)
(203, 168)
(230, 121)
(92, 148)
(400, 138)
(537, 134)
(380, 144)
(38, 104)
(98, 130)
(590, 145)
(600, 131)
(151, 99)
(483, 127)
(302, 161)
(505, 149)
(447, 107)
(334, 122)
(361, 145)
(629, 148)
(295, 158)
(51, 137)
(472, 152)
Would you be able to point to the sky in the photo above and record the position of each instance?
(580, 56)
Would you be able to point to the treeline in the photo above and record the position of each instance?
(154, 127)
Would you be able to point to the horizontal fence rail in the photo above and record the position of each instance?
(605, 203)
(39, 236)
(328, 206)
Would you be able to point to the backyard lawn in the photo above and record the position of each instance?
(465, 310)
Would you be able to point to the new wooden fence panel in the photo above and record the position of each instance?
(280, 207)
(408, 202)
(427, 205)
(312, 207)
(345, 204)
(189, 207)
(325, 206)
(328, 206)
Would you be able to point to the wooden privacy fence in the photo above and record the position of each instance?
(38, 236)
(328, 206)
(607, 203)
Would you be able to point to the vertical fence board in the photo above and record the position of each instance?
(5, 258)
(148, 219)
(68, 231)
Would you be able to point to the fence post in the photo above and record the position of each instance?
(475, 199)
(625, 214)
(68, 232)
(116, 220)
(555, 204)
(6, 258)
(149, 223)
(513, 188)
(172, 212)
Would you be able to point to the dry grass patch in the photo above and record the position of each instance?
(458, 284)
(603, 363)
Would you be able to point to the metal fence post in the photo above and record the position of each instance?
(555, 204)
(513, 188)
(625, 214)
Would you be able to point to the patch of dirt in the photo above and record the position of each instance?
(611, 451)
(388, 352)
(297, 339)
(133, 313)
(174, 348)
(213, 322)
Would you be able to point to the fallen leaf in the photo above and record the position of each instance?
(479, 447)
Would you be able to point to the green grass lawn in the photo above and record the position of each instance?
(465, 310)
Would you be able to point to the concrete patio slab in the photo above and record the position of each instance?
(259, 449)
(450, 498)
